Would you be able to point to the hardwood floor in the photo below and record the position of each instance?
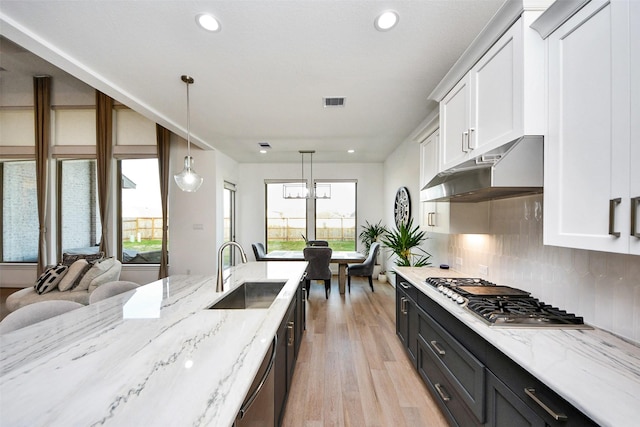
(352, 369)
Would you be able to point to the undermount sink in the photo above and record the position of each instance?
(250, 295)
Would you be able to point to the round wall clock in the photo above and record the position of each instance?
(402, 207)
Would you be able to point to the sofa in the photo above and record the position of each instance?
(87, 277)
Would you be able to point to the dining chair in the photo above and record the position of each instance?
(111, 289)
(319, 258)
(366, 268)
(317, 243)
(259, 251)
(36, 312)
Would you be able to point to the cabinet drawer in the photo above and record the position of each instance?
(452, 404)
(505, 409)
(464, 372)
(408, 289)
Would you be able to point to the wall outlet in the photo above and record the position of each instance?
(198, 227)
(484, 270)
(458, 261)
(188, 272)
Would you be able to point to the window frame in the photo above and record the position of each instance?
(315, 206)
(268, 182)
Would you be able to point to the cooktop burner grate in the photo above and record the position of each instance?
(503, 305)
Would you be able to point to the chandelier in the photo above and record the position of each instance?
(301, 190)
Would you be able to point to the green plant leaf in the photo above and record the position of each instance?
(402, 241)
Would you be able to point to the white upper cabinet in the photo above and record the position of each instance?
(591, 161)
(500, 99)
(428, 159)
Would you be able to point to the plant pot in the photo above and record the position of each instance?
(376, 270)
(382, 278)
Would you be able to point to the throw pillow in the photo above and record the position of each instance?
(68, 259)
(50, 279)
(98, 269)
(84, 271)
(75, 271)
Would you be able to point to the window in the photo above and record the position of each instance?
(19, 211)
(78, 211)
(335, 217)
(229, 222)
(286, 219)
(140, 212)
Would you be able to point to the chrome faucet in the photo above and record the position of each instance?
(243, 255)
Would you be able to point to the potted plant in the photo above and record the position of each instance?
(402, 242)
(382, 277)
(371, 233)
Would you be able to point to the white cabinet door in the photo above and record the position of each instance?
(586, 189)
(500, 99)
(454, 125)
(496, 84)
(634, 158)
(428, 159)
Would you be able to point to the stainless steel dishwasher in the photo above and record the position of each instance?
(258, 408)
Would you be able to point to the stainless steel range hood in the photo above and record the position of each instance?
(513, 169)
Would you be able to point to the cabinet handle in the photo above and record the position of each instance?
(612, 217)
(465, 139)
(437, 348)
(431, 219)
(247, 403)
(635, 201)
(471, 130)
(405, 286)
(531, 392)
(403, 305)
(292, 338)
(442, 392)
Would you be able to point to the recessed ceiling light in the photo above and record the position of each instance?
(208, 22)
(386, 20)
(351, 151)
(263, 151)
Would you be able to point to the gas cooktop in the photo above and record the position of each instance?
(503, 305)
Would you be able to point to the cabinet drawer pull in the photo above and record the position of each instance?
(612, 217)
(405, 286)
(442, 392)
(469, 147)
(635, 201)
(403, 305)
(292, 337)
(531, 392)
(437, 348)
(465, 142)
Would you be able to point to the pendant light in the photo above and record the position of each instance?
(300, 190)
(188, 180)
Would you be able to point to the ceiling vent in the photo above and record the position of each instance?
(264, 145)
(333, 102)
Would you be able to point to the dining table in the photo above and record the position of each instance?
(342, 258)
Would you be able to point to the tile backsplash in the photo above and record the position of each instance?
(601, 287)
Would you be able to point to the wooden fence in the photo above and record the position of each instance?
(142, 228)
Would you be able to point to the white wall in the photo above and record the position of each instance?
(402, 169)
(195, 219)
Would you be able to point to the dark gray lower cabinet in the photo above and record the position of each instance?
(407, 318)
(289, 340)
(474, 383)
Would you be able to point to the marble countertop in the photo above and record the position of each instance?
(152, 356)
(594, 370)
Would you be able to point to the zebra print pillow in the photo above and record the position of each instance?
(50, 278)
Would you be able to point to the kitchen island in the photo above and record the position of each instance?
(595, 371)
(153, 356)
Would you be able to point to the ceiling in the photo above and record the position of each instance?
(262, 78)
